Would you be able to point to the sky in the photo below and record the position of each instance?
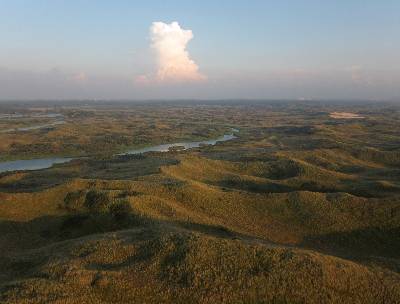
(297, 49)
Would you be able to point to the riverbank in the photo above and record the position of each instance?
(44, 163)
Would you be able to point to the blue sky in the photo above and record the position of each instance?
(254, 49)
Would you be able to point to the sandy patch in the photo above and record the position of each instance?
(345, 115)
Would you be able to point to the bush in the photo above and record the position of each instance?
(121, 210)
(97, 201)
(74, 201)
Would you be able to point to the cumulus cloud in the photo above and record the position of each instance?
(169, 41)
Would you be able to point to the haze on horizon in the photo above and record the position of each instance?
(209, 50)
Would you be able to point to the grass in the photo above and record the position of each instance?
(103, 131)
(301, 208)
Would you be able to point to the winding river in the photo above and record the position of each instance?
(32, 164)
(43, 163)
(181, 145)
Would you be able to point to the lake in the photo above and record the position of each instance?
(36, 127)
(59, 120)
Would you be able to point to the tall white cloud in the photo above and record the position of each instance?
(169, 42)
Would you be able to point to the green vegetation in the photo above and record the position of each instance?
(103, 130)
(300, 208)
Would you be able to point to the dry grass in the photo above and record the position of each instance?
(296, 210)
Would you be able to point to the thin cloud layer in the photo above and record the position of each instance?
(169, 41)
(342, 83)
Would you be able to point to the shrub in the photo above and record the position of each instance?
(121, 210)
(74, 201)
(97, 201)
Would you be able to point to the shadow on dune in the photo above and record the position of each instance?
(21, 241)
(116, 168)
(61, 239)
(361, 242)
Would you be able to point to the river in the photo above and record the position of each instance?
(43, 163)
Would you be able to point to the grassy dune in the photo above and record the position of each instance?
(293, 211)
(164, 264)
